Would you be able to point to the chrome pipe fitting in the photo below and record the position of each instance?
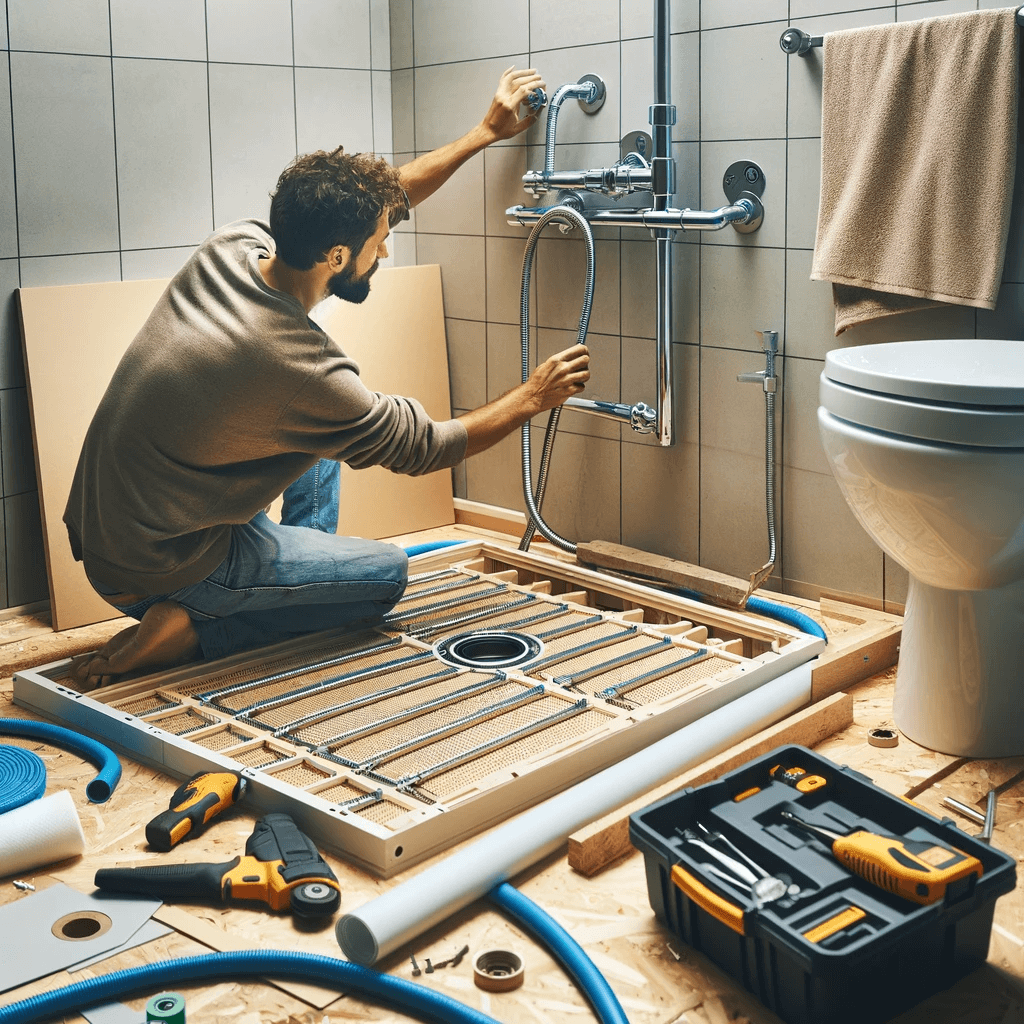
(640, 417)
(589, 91)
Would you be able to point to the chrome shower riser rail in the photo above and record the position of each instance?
(744, 211)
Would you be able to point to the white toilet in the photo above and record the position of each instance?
(926, 441)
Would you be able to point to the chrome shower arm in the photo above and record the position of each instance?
(589, 90)
(641, 417)
(747, 212)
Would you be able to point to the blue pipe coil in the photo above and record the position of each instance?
(415, 1000)
(22, 777)
(431, 545)
(103, 757)
(564, 948)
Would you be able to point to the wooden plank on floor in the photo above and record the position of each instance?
(597, 845)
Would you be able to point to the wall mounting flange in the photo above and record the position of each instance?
(744, 179)
(594, 105)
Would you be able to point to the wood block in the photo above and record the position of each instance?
(599, 844)
(716, 586)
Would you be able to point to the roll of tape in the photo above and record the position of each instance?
(166, 1008)
(883, 737)
(38, 833)
(498, 970)
(22, 777)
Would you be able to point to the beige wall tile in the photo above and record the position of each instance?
(732, 412)
(742, 291)
(604, 378)
(895, 585)
(467, 362)
(661, 500)
(461, 258)
(801, 445)
(640, 384)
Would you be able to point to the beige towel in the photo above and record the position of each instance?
(918, 144)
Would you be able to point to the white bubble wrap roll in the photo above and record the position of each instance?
(40, 832)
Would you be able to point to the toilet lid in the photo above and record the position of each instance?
(971, 371)
(968, 392)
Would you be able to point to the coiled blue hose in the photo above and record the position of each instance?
(22, 777)
(564, 948)
(415, 1000)
(103, 757)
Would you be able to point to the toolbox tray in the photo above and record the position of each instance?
(841, 949)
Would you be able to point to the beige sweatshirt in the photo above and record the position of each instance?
(227, 395)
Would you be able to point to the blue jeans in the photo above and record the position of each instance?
(283, 580)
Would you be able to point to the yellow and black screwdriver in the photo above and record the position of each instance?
(920, 871)
(192, 805)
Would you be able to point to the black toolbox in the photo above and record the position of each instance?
(818, 944)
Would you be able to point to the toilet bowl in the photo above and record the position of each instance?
(926, 442)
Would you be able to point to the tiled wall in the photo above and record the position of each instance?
(738, 96)
(129, 129)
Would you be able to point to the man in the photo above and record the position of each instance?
(230, 395)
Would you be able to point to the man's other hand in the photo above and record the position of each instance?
(559, 377)
(502, 119)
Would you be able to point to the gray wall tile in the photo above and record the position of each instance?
(59, 26)
(933, 9)
(12, 364)
(1007, 319)
(732, 412)
(637, 18)
(638, 289)
(557, 25)
(661, 500)
(809, 8)
(332, 33)
(19, 471)
(333, 108)
(467, 356)
(803, 192)
(452, 98)
(810, 313)
(605, 357)
(504, 280)
(894, 585)
(8, 208)
(383, 130)
(639, 375)
(26, 563)
(3, 28)
(504, 358)
(770, 155)
(150, 264)
(400, 12)
(723, 13)
(825, 545)
(504, 167)
(380, 35)
(251, 142)
(55, 98)
(457, 208)
(461, 258)
(561, 269)
(801, 445)
(162, 111)
(402, 124)
(3, 560)
(460, 30)
(743, 83)
(174, 29)
(260, 35)
(495, 477)
(83, 268)
(741, 292)
(637, 76)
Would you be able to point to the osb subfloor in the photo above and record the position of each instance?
(609, 914)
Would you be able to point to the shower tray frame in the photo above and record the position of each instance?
(758, 650)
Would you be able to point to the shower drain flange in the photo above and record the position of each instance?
(489, 648)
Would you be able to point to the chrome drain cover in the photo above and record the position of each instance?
(489, 648)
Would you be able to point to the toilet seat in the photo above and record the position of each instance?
(962, 392)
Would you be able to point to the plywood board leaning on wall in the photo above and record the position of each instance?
(75, 335)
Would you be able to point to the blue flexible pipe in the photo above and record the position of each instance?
(415, 1000)
(431, 545)
(771, 610)
(564, 948)
(103, 757)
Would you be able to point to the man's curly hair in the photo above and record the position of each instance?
(327, 199)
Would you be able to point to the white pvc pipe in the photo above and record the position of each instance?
(382, 925)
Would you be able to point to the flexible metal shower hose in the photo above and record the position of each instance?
(533, 504)
(769, 458)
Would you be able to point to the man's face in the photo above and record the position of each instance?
(352, 282)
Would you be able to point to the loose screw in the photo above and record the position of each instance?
(416, 972)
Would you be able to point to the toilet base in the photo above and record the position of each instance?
(958, 684)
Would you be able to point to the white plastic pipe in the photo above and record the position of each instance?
(382, 925)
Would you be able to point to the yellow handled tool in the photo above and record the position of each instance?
(193, 804)
(919, 871)
(797, 778)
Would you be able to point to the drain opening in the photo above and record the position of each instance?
(489, 649)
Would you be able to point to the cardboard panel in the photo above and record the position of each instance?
(75, 335)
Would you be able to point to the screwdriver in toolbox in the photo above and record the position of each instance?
(192, 805)
(920, 871)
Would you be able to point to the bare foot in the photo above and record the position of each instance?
(165, 637)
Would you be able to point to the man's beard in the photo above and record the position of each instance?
(345, 285)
